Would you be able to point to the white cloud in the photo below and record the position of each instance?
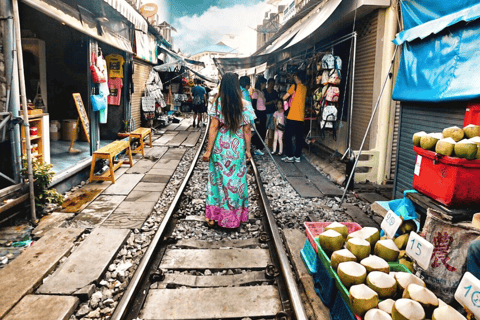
(196, 32)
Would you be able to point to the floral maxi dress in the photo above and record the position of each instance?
(227, 189)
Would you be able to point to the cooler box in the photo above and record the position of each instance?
(452, 181)
(472, 114)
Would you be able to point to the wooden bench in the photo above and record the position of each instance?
(140, 134)
(109, 152)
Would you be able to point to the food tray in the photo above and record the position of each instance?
(313, 229)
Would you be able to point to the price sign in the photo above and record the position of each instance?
(468, 294)
(391, 223)
(419, 250)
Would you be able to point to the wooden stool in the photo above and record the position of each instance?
(140, 134)
(109, 152)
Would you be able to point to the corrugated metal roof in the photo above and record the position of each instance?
(219, 47)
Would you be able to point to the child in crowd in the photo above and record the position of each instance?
(279, 119)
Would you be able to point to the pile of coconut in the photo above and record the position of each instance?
(452, 142)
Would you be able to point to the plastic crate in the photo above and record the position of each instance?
(451, 181)
(313, 229)
(340, 310)
(309, 257)
(324, 284)
(343, 292)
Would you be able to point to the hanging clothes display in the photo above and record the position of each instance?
(103, 87)
(115, 85)
(115, 64)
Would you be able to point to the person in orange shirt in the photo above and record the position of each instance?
(295, 118)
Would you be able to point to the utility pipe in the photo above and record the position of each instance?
(11, 74)
(23, 97)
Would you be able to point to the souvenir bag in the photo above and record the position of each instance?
(328, 62)
(317, 95)
(289, 102)
(334, 77)
(97, 74)
(99, 102)
(338, 63)
(332, 94)
(329, 117)
(325, 77)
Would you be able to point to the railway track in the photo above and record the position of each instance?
(186, 275)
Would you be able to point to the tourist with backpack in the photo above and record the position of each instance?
(199, 99)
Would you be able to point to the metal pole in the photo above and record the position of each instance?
(389, 75)
(350, 116)
(23, 97)
(11, 74)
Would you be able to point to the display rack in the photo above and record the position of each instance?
(36, 140)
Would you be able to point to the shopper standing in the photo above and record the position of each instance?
(271, 97)
(258, 102)
(199, 98)
(229, 139)
(279, 123)
(295, 118)
(245, 86)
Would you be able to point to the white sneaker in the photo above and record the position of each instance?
(297, 159)
(259, 153)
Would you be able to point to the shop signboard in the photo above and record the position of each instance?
(148, 10)
(146, 47)
(289, 11)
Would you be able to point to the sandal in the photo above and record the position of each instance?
(210, 223)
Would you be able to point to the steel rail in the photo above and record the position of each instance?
(287, 272)
(122, 307)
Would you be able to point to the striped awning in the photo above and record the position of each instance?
(132, 15)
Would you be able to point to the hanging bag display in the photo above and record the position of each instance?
(332, 94)
(329, 117)
(97, 74)
(99, 101)
(334, 77)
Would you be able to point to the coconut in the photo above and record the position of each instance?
(429, 141)
(402, 254)
(441, 303)
(476, 140)
(422, 295)
(401, 241)
(406, 309)
(407, 226)
(445, 146)
(466, 149)
(387, 249)
(417, 136)
(383, 284)
(340, 228)
(359, 247)
(472, 130)
(351, 273)
(362, 299)
(376, 314)
(386, 305)
(405, 278)
(447, 312)
(374, 263)
(331, 241)
(340, 256)
(370, 234)
(453, 132)
(407, 264)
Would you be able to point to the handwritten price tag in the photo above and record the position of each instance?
(468, 294)
(391, 223)
(419, 250)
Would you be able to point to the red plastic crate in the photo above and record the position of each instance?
(313, 229)
(472, 114)
(452, 181)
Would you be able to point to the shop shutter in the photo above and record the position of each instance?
(415, 118)
(364, 79)
(396, 128)
(140, 77)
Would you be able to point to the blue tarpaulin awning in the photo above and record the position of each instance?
(440, 55)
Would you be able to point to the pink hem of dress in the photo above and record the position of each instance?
(226, 218)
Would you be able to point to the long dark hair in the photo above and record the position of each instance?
(231, 101)
(258, 83)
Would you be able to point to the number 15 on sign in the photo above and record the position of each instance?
(468, 294)
(419, 250)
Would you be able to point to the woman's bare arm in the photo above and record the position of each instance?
(247, 133)
(212, 136)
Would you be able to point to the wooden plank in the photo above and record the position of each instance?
(192, 139)
(327, 187)
(11, 189)
(360, 217)
(97, 211)
(124, 184)
(179, 280)
(304, 188)
(288, 169)
(24, 273)
(164, 139)
(371, 197)
(86, 264)
(306, 168)
(179, 138)
(199, 244)
(113, 148)
(212, 303)
(216, 259)
(14, 202)
(43, 307)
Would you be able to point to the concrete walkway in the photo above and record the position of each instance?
(111, 214)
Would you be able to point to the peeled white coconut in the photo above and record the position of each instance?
(383, 284)
(359, 247)
(422, 295)
(374, 263)
(331, 241)
(448, 313)
(405, 278)
(453, 132)
(417, 136)
(387, 249)
(466, 149)
(351, 273)
(377, 314)
(362, 299)
(445, 146)
(340, 228)
(370, 234)
(472, 130)
(386, 305)
(406, 309)
(340, 256)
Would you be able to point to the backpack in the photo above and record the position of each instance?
(329, 117)
(198, 100)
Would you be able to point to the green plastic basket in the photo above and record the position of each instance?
(324, 259)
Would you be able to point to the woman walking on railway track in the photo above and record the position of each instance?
(227, 153)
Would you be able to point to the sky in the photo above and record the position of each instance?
(201, 23)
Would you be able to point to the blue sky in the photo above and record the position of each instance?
(203, 23)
